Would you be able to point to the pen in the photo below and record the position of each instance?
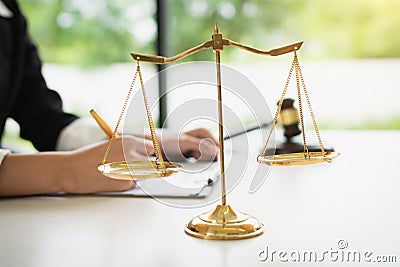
(103, 125)
(259, 126)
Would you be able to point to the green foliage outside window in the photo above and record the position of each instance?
(99, 32)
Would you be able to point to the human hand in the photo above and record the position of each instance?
(198, 143)
(83, 176)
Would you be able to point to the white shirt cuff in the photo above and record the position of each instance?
(3, 153)
(79, 133)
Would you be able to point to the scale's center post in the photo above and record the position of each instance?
(218, 47)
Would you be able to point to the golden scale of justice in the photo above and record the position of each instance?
(222, 223)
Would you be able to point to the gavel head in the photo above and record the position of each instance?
(289, 119)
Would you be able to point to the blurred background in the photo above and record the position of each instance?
(350, 57)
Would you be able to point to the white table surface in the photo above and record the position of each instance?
(307, 208)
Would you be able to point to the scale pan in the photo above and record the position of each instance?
(293, 159)
(139, 170)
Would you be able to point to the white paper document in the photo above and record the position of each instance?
(194, 181)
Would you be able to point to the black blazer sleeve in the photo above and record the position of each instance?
(36, 108)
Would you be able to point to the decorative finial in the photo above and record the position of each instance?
(216, 28)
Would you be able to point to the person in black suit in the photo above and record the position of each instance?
(25, 97)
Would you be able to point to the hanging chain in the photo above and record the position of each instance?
(279, 108)
(296, 62)
(120, 116)
(299, 83)
(156, 144)
(310, 108)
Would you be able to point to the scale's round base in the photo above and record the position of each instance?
(139, 170)
(292, 159)
(224, 223)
